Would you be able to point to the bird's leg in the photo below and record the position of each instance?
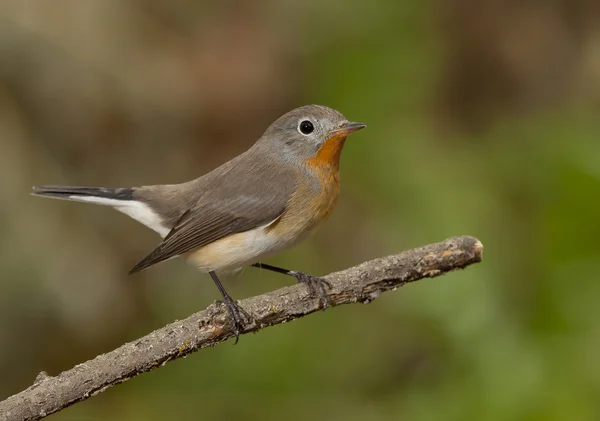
(235, 310)
(314, 283)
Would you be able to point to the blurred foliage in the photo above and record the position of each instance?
(482, 120)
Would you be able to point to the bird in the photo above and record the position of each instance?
(262, 202)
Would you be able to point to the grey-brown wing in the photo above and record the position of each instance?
(256, 199)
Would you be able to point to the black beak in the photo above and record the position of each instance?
(349, 127)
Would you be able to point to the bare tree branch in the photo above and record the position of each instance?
(362, 283)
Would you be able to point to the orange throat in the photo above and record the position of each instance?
(329, 153)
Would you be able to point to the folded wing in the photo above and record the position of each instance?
(233, 202)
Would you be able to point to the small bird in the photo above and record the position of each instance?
(261, 202)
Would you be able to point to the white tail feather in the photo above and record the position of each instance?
(139, 211)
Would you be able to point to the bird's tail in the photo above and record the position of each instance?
(98, 195)
(123, 200)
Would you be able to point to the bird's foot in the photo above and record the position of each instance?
(315, 284)
(239, 316)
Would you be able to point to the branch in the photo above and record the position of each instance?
(362, 283)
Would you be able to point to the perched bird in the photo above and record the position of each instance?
(259, 203)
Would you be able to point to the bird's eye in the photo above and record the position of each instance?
(306, 127)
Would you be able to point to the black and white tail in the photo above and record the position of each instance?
(122, 200)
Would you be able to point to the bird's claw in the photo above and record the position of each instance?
(315, 285)
(239, 316)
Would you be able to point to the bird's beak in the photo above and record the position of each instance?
(347, 128)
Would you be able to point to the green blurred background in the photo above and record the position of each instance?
(483, 119)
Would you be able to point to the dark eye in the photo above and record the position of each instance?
(306, 127)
